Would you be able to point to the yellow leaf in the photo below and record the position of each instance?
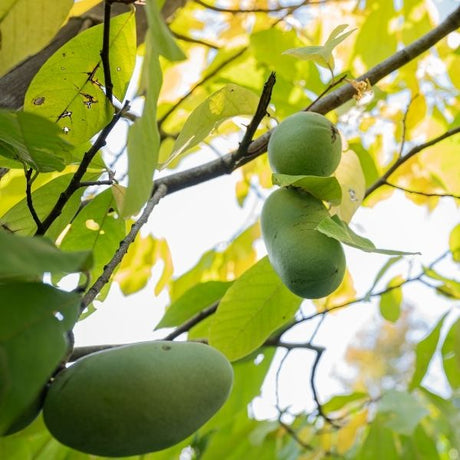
(353, 184)
(80, 7)
(343, 294)
(162, 252)
(347, 435)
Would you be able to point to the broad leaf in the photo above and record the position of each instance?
(33, 317)
(335, 228)
(256, 305)
(338, 402)
(26, 257)
(227, 102)
(451, 355)
(143, 137)
(449, 287)
(29, 140)
(323, 188)
(379, 443)
(401, 411)
(96, 228)
(322, 55)
(19, 219)
(68, 88)
(454, 243)
(390, 301)
(26, 26)
(352, 183)
(424, 352)
(196, 299)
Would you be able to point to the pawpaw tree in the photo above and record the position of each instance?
(126, 123)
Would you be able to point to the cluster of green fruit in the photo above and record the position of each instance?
(136, 399)
(310, 264)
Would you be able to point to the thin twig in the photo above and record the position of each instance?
(260, 114)
(105, 51)
(162, 119)
(418, 148)
(331, 85)
(76, 178)
(404, 126)
(96, 182)
(427, 194)
(29, 180)
(193, 321)
(104, 278)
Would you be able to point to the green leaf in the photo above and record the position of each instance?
(26, 257)
(322, 55)
(161, 35)
(390, 301)
(256, 305)
(323, 188)
(337, 402)
(31, 140)
(196, 299)
(68, 87)
(420, 446)
(19, 220)
(424, 352)
(335, 228)
(379, 443)
(451, 355)
(96, 228)
(33, 316)
(227, 102)
(401, 411)
(26, 26)
(143, 137)
(454, 243)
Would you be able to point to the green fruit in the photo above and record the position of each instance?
(137, 398)
(305, 143)
(310, 264)
(27, 416)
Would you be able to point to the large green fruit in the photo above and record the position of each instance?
(305, 143)
(310, 264)
(137, 398)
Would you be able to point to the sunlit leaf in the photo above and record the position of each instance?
(390, 301)
(26, 257)
(196, 299)
(338, 402)
(339, 230)
(388, 264)
(323, 188)
(451, 355)
(322, 55)
(346, 437)
(229, 101)
(31, 140)
(454, 243)
(255, 306)
(34, 316)
(143, 137)
(424, 352)
(26, 26)
(353, 185)
(68, 87)
(19, 219)
(449, 287)
(96, 228)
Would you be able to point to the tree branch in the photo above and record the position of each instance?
(74, 183)
(104, 278)
(105, 50)
(30, 204)
(227, 163)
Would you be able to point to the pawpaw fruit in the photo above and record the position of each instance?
(311, 264)
(136, 399)
(305, 143)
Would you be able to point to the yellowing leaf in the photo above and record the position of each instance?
(81, 7)
(347, 435)
(229, 101)
(344, 293)
(390, 301)
(454, 243)
(351, 178)
(26, 26)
